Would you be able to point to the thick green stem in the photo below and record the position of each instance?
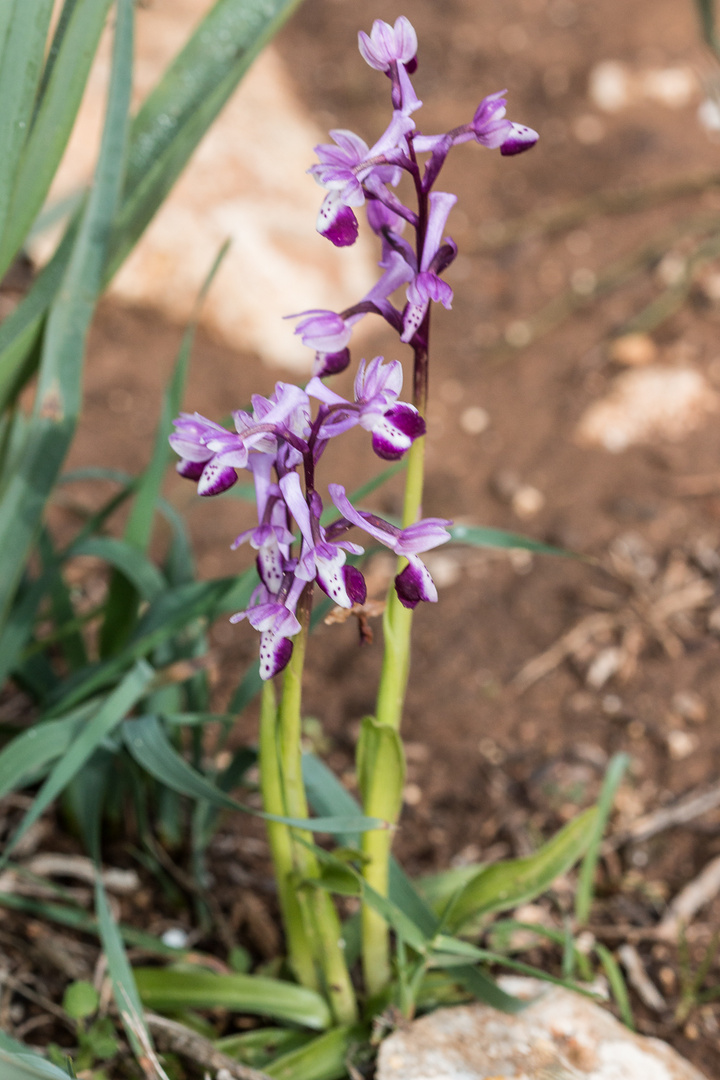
(322, 924)
(380, 799)
(300, 953)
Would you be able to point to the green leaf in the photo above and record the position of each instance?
(80, 1000)
(134, 564)
(485, 989)
(326, 795)
(122, 602)
(506, 884)
(617, 984)
(23, 30)
(59, 391)
(481, 536)
(324, 1058)
(181, 108)
(260, 1045)
(111, 712)
(706, 12)
(20, 332)
(586, 878)
(172, 989)
(29, 754)
(153, 751)
(28, 1066)
(53, 122)
(381, 758)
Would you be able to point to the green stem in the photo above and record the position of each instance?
(322, 924)
(281, 847)
(380, 801)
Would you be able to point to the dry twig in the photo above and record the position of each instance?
(696, 894)
(181, 1040)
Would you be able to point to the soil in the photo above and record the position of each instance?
(493, 766)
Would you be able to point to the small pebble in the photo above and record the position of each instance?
(175, 938)
(474, 420)
(633, 350)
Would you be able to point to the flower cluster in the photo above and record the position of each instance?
(281, 442)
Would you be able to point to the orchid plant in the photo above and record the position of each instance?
(281, 443)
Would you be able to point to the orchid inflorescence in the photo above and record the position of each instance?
(280, 439)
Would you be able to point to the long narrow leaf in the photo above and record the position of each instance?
(22, 49)
(182, 107)
(110, 714)
(31, 753)
(54, 120)
(506, 884)
(122, 602)
(28, 1067)
(60, 384)
(171, 989)
(151, 748)
(586, 877)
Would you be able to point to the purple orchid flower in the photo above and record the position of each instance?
(427, 285)
(212, 455)
(393, 49)
(328, 334)
(277, 622)
(394, 424)
(271, 538)
(348, 168)
(414, 583)
(209, 453)
(320, 560)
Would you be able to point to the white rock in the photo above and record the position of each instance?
(645, 404)
(560, 1035)
(247, 181)
(609, 86)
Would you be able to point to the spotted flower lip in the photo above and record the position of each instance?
(346, 168)
(414, 583)
(277, 622)
(394, 425)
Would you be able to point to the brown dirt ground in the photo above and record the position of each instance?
(491, 767)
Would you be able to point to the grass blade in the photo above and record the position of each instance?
(172, 989)
(153, 751)
(28, 1066)
(617, 984)
(23, 30)
(59, 391)
(586, 879)
(29, 754)
(324, 1058)
(53, 122)
(505, 884)
(182, 107)
(122, 602)
(481, 536)
(113, 710)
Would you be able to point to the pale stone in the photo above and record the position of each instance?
(614, 86)
(247, 181)
(646, 404)
(633, 350)
(560, 1035)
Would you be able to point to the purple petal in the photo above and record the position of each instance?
(414, 584)
(337, 222)
(330, 363)
(191, 470)
(275, 653)
(520, 139)
(216, 478)
(333, 578)
(422, 536)
(397, 431)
